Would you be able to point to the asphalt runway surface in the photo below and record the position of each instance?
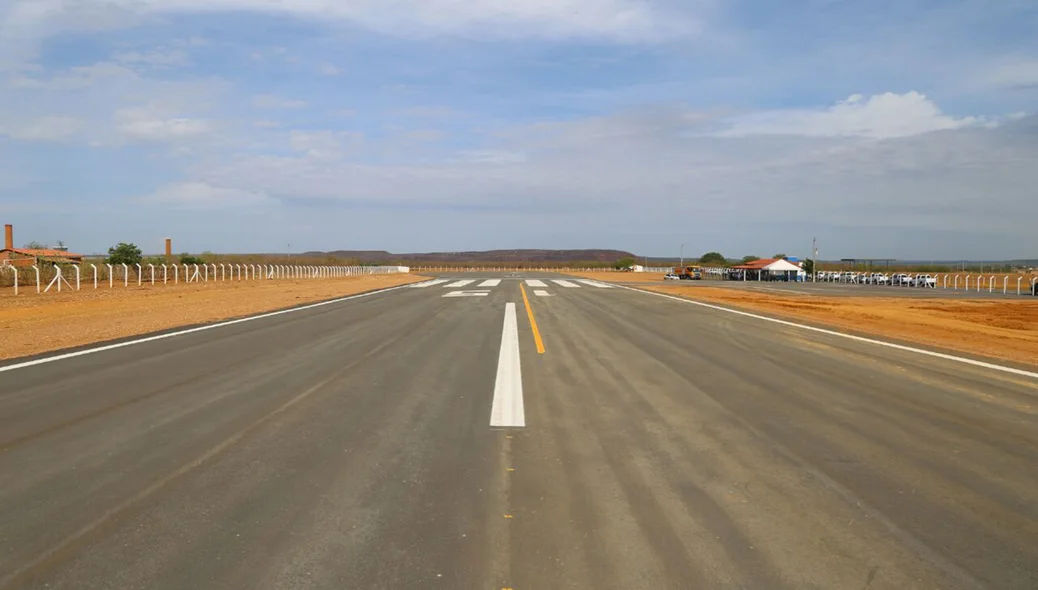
(654, 444)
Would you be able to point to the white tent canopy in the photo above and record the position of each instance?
(781, 266)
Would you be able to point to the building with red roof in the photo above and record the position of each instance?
(11, 256)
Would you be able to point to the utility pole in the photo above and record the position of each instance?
(682, 257)
(814, 260)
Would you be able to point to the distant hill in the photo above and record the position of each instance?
(547, 256)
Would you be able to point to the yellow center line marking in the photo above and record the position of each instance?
(533, 322)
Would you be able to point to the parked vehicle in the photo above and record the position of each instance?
(878, 278)
(924, 281)
(671, 277)
(689, 273)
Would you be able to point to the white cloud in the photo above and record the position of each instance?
(422, 135)
(622, 20)
(50, 128)
(158, 58)
(150, 123)
(200, 195)
(492, 157)
(323, 145)
(329, 70)
(266, 124)
(269, 101)
(1021, 73)
(969, 179)
(75, 78)
(880, 116)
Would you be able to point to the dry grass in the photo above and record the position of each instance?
(31, 324)
(623, 278)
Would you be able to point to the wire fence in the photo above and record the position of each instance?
(70, 277)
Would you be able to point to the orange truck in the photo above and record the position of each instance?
(689, 273)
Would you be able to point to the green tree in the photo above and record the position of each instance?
(625, 262)
(189, 259)
(746, 259)
(34, 245)
(782, 256)
(712, 258)
(809, 267)
(124, 253)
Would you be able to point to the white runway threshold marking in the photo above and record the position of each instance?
(461, 283)
(490, 283)
(564, 283)
(535, 283)
(594, 284)
(467, 294)
(507, 409)
(429, 283)
(542, 293)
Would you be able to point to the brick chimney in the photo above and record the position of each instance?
(8, 237)
(169, 249)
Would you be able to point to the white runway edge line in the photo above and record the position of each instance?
(507, 409)
(930, 353)
(271, 314)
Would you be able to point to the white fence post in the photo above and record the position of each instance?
(194, 277)
(176, 274)
(126, 275)
(238, 266)
(76, 267)
(94, 266)
(214, 272)
(37, 269)
(1018, 281)
(15, 271)
(1005, 285)
(111, 276)
(223, 273)
(140, 271)
(945, 281)
(152, 268)
(165, 274)
(991, 284)
(968, 282)
(206, 267)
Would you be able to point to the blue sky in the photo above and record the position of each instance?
(886, 129)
